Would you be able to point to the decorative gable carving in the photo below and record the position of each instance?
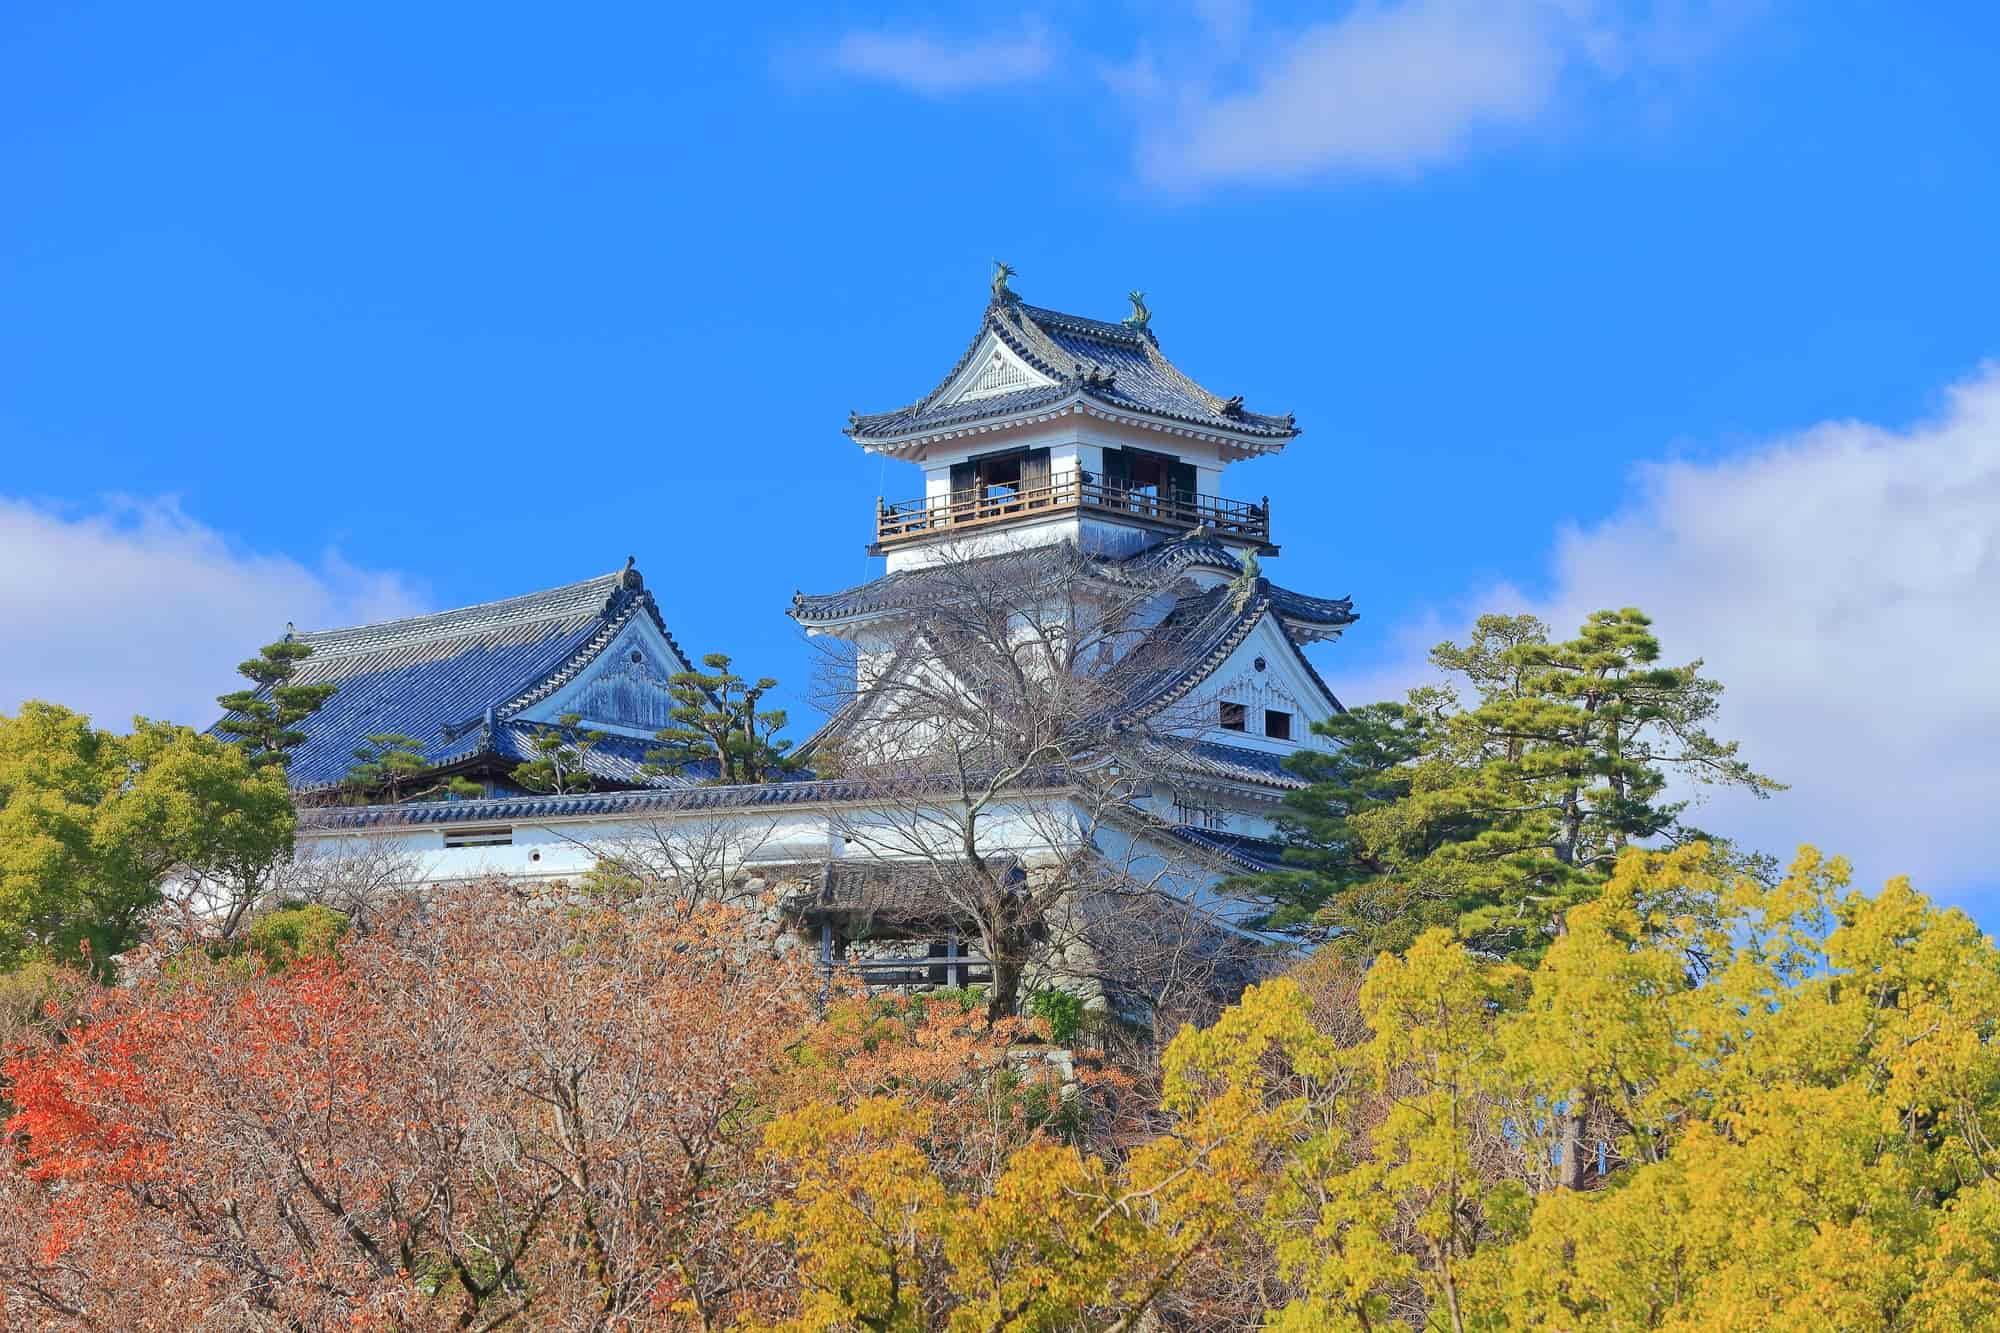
(623, 689)
(1001, 375)
(624, 694)
(1262, 674)
(1257, 692)
(994, 371)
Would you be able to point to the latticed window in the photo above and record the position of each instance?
(1191, 812)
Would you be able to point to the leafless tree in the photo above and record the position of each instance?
(1167, 962)
(360, 877)
(1013, 709)
(352, 875)
(681, 865)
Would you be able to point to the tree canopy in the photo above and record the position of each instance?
(392, 767)
(263, 718)
(718, 719)
(92, 823)
(589, 1115)
(557, 754)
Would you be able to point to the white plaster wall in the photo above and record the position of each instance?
(561, 849)
(1283, 684)
(1037, 830)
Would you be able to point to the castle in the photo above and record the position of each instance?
(1052, 433)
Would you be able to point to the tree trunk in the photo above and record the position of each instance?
(1003, 996)
(1571, 1177)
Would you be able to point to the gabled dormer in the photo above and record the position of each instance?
(1058, 427)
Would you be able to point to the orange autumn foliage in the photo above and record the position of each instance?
(496, 1111)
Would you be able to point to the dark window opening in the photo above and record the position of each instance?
(501, 836)
(1145, 477)
(1235, 717)
(1000, 478)
(1277, 725)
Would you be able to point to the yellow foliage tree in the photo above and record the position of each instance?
(1794, 1089)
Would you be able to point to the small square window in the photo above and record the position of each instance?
(1235, 717)
(1277, 725)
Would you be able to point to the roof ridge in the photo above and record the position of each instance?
(1102, 328)
(1093, 365)
(522, 607)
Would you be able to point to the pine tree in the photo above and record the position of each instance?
(558, 763)
(392, 767)
(1347, 890)
(263, 720)
(716, 720)
(1495, 817)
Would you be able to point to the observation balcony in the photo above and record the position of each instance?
(993, 505)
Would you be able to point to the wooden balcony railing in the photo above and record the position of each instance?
(983, 506)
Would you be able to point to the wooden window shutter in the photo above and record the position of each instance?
(1035, 469)
(1181, 477)
(964, 476)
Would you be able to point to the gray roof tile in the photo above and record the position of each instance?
(1116, 366)
(436, 677)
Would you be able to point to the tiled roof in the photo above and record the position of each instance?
(1230, 763)
(437, 677)
(1191, 642)
(615, 758)
(1113, 365)
(1171, 557)
(572, 602)
(581, 805)
(1315, 610)
(646, 803)
(1252, 854)
(861, 893)
(1162, 560)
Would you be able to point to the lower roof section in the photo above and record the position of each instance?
(585, 805)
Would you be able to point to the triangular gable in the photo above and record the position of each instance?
(619, 686)
(991, 370)
(1264, 671)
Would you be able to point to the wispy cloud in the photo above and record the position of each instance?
(1383, 88)
(1841, 583)
(1219, 92)
(937, 65)
(134, 607)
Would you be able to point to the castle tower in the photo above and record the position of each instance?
(1057, 427)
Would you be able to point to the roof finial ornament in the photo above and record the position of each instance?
(1002, 293)
(1140, 317)
(628, 577)
(291, 631)
(1245, 584)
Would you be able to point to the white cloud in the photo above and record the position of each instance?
(1390, 86)
(937, 66)
(1217, 92)
(135, 607)
(1383, 88)
(1844, 585)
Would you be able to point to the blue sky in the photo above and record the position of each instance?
(318, 314)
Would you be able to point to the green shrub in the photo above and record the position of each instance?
(291, 933)
(1062, 1011)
